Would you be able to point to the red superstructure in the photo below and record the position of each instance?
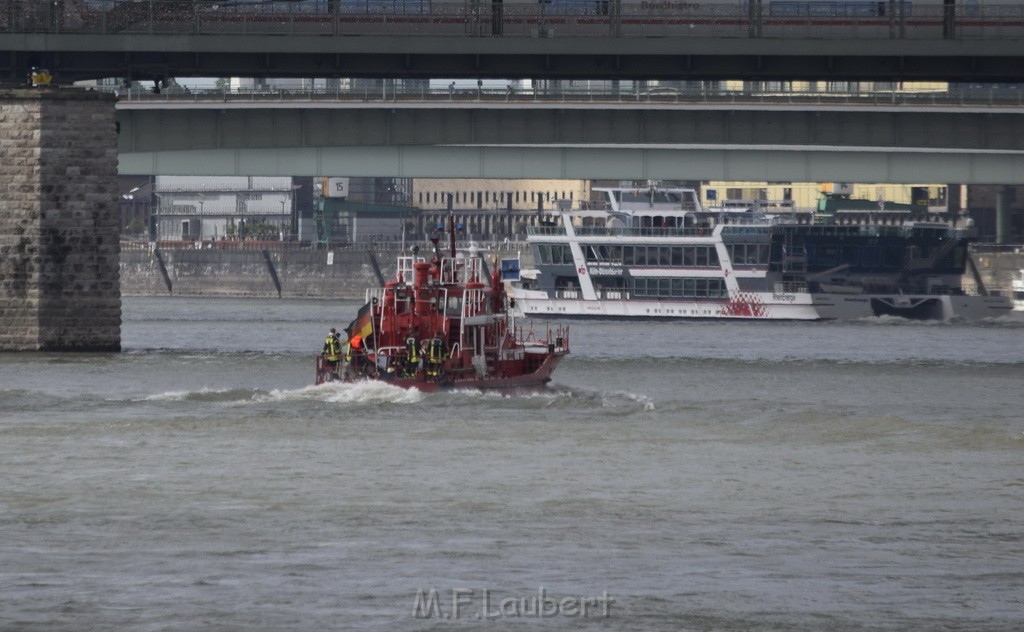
(443, 324)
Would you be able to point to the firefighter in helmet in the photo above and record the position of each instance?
(437, 353)
(332, 352)
(412, 354)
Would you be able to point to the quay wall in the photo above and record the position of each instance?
(307, 273)
(300, 273)
(997, 267)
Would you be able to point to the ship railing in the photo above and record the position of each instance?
(405, 267)
(555, 339)
(474, 304)
(374, 294)
(461, 270)
(614, 295)
(790, 287)
(388, 357)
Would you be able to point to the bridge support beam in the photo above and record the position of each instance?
(1004, 200)
(59, 248)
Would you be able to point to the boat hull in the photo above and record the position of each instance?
(421, 382)
(770, 306)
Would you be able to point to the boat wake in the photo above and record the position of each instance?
(616, 400)
(205, 394)
(362, 392)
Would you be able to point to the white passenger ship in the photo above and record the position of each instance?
(656, 253)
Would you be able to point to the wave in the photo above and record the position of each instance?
(204, 394)
(794, 361)
(363, 392)
(1011, 320)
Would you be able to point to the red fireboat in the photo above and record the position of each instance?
(439, 325)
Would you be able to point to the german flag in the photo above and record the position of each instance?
(362, 326)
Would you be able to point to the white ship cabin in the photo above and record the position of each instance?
(638, 208)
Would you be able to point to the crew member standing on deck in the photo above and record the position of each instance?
(356, 354)
(332, 351)
(437, 353)
(412, 354)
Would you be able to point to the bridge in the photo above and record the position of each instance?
(606, 39)
(963, 136)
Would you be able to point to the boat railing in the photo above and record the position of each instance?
(790, 287)
(474, 304)
(556, 339)
(605, 231)
(374, 294)
(388, 357)
(740, 229)
(405, 267)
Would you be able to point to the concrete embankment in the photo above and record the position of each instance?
(996, 267)
(346, 273)
(285, 273)
(340, 273)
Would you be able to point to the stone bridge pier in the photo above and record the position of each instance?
(59, 247)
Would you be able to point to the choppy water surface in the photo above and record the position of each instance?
(709, 476)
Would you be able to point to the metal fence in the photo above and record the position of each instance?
(597, 92)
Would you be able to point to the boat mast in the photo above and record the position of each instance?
(451, 226)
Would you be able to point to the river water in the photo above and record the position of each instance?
(676, 476)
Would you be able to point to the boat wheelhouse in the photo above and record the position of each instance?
(656, 253)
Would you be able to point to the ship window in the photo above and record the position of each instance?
(701, 288)
(713, 257)
(689, 286)
(628, 255)
(641, 255)
(616, 254)
(850, 256)
(689, 256)
(544, 251)
(715, 288)
(870, 256)
(677, 256)
(955, 259)
(763, 251)
(677, 287)
(892, 257)
(826, 256)
(664, 287)
(702, 256)
(561, 254)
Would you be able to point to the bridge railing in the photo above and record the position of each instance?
(596, 92)
(526, 18)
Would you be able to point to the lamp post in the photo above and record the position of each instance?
(202, 201)
(280, 221)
